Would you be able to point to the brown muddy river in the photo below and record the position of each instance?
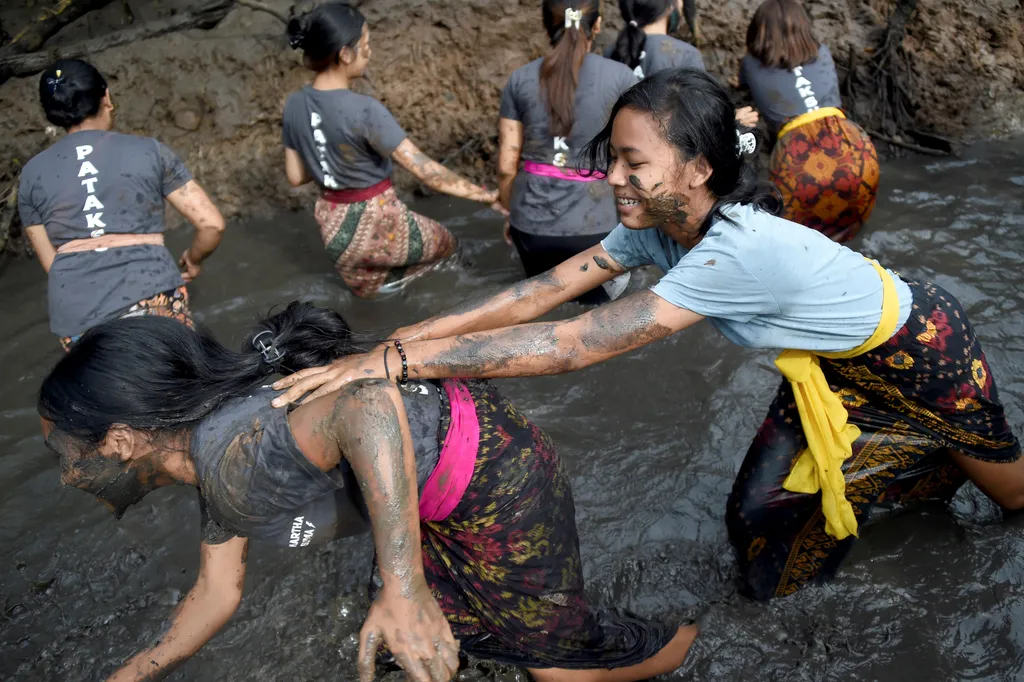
(931, 595)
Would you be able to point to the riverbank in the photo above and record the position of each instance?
(439, 65)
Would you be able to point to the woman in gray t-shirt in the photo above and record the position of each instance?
(824, 165)
(93, 207)
(345, 142)
(549, 109)
(646, 46)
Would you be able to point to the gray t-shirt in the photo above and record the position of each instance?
(665, 52)
(345, 139)
(766, 282)
(780, 95)
(90, 183)
(552, 206)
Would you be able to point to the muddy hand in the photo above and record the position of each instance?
(416, 632)
(319, 381)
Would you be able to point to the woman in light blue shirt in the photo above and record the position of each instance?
(887, 392)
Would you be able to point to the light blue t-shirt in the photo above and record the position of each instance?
(765, 282)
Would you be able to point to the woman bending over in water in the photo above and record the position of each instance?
(886, 390)
(471, 511)
(345, 142)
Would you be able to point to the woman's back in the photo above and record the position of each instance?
(665, 52)
(544, 205)
(781, 94)
(345, 139)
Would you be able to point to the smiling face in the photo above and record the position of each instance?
(654, 186)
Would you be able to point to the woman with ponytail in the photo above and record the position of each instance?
(469, 506)
(93, 207)
(646, 44)
(886, 391)
(824, 165)
(549, 109)
(346, 142)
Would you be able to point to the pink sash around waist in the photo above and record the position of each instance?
(447, 484)
(547, 170)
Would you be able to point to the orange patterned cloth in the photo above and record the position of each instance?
(380, 242)
(173, 304)
(827, 173)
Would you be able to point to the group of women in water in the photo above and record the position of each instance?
(605, 165)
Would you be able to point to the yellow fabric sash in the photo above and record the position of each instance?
(823, 417)
(810, 116)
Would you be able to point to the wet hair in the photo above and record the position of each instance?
(780, 35)
(154, 373)
(698, 119)
(560, 70)
(71, 90)
(322, 33)
(630, 43)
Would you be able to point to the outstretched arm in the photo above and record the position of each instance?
(523, 350)
(204, 611)
(523, 301)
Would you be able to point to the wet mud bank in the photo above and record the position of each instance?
(216, 95)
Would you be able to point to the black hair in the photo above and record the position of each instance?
(323, 32)
(560, 70)
(696, 118)
(71, 90)
(154, 373)
(637, 14)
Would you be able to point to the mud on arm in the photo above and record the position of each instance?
(552, 347)
(437, 177)
(372, 432)
(523, 301)
(510, 150)
(195, 205)
(205, 609)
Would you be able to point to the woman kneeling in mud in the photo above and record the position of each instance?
(471, 512)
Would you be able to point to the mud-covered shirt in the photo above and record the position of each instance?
(95, 182)
(780, 95)
(665, 52)
(552, 206)
(345, 139)
(255, 482)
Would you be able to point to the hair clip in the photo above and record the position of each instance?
(634, 24)
(271, 354)
(746, 143)
(54, 81)
(573, 17)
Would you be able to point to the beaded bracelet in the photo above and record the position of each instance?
(405, 365)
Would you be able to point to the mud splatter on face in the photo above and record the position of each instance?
(635, 181)
(666, 209)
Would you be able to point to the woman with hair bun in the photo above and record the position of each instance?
(646, 45)
(93, 208)
(886, 391)
(346, 142)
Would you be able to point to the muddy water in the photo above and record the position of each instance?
(652, 442)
